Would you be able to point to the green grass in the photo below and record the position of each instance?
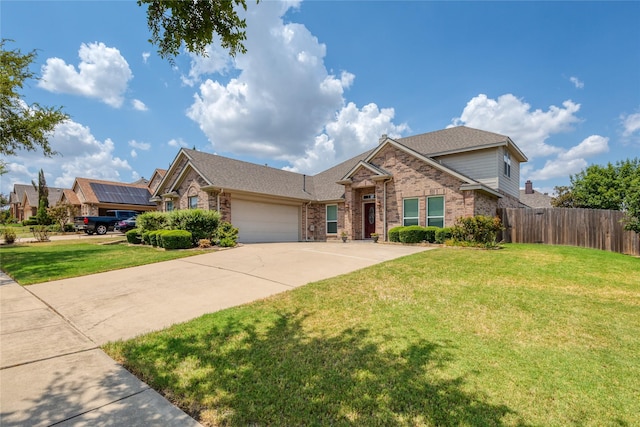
(42, 262)
(528, 335)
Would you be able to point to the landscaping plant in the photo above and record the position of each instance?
(477, 230)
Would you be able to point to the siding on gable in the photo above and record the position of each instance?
(509, 185)
(480, 165)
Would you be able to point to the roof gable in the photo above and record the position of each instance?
(391, 142)
(230, 174)
(378, 172)
(458, 140)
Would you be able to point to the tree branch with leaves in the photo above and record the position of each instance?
(194, 23)
(23, 126)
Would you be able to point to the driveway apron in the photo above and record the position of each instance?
(51, 368)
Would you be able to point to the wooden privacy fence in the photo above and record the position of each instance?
(590, 228)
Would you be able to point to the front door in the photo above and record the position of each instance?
(369, 218)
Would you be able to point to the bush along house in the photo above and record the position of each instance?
(429, 179)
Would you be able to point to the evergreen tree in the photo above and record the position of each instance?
(43, 199)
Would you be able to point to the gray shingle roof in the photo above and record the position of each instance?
(234, 174)
(536, 200)
(454, 140)
(55, 194)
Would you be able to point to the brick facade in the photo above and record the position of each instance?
(412, 178)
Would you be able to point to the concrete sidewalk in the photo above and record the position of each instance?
(51, 368)
(51, 373)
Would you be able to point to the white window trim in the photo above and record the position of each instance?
(444, 210)
(416, 217)
(327, 221)
(506, 159)
(189, 202)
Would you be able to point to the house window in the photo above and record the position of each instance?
(332, 219)
(435, 211)
(168, 205)
(193, 202)
(507, 164)
(410, 212)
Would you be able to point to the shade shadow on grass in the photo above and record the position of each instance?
(251, 373)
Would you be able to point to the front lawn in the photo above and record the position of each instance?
(42, 262)
(528, 335)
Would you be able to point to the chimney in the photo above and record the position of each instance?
(383, 138)
(528, 187)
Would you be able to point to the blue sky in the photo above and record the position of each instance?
(322, 80)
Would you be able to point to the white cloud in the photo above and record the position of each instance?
(511, 116)
(145, 56)
(589, 147)
(134, 153)
(81, 155)
(576, 82)
(352, 132)
(283, 103)
(177, 143)
(144, 146)
(572, 161)
(630, 124)
(103, 73)
(217, 60)
(139, 105)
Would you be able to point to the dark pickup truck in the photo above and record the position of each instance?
(101, 224)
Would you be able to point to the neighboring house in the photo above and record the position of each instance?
(534, 199)
(95, 197)
(428, 179)
(24, 201)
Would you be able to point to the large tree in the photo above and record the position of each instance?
(612, 186)
(194, 23)
(22, 126)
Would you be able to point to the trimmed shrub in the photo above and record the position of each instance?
(227, 234)
(133, 236)
(481, 230)
(145, 237)
(444, 234)
(153, 238)
(413, 234)
(201, 223)
(9, 235)
(430, 234)
(176, 239)
(394, 234)
(29, 222)
(151, 221)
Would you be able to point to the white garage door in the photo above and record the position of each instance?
(265, 222)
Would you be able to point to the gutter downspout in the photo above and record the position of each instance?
(218, 198)
(306, 221)
(384, 212)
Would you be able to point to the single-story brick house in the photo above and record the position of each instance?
(427, 179)
(23, 200)
(95, 197)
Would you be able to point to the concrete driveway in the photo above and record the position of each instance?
(51, 368)
(125, 303)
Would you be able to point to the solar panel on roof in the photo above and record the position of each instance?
(107, 193)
